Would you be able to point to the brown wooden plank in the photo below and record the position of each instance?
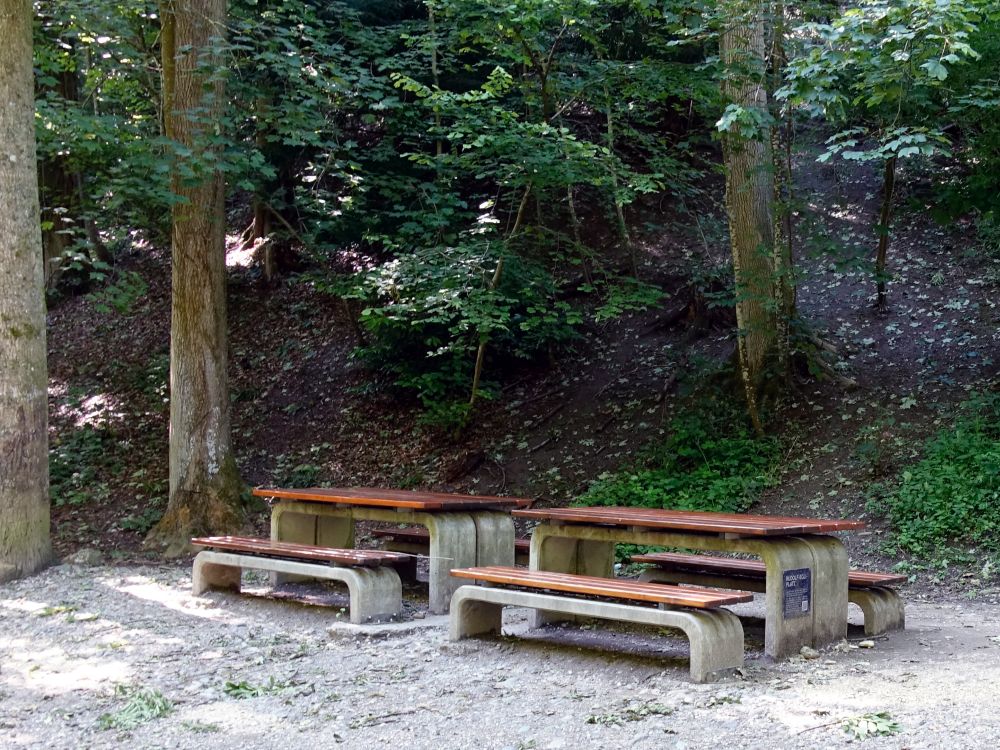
(423, 535)
(726, 522)
(307, 552)
(407, 499)
(683, 596)
(714, 523)
(750, 568)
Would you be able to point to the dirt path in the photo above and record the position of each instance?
(75, 643)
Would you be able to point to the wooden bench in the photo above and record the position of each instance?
(376, 592)
(715, 635)
(417, 541)
(882, 607)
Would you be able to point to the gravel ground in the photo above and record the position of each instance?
(82, 649)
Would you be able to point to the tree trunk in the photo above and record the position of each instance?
(781, 153)
(24, 475)
(884, 217)
(750, 195)
(205, 486)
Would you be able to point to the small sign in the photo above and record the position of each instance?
(798, 592)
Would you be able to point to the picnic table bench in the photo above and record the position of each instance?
(805, 566)
(715, 635)
(463, 530)
(881, 606)
(375, 590)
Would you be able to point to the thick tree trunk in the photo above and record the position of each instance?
(24, 476)
(205, 486)
(884, 218)
(750, 195)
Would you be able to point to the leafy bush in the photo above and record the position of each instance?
(952, 496)
(78, 460)
(710, 462)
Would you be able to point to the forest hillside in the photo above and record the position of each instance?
(620, 253)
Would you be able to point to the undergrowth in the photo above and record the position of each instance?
(710, 461)
(952, 496)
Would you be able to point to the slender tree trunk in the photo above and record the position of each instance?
(24, 475)
(623, 233)
(205, 486)
(781, 153)
(750, 195)
(484, 339)
(884, 217)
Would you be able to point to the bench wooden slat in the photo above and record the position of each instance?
(750, 568)
(715, 523)
(268, 548)
(423, 535)
(658, 593)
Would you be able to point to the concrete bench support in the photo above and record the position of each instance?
(376, 593)
(882, 607)
(716, 635)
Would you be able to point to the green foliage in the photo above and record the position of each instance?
(143, 705)
(244, 689)
(883, 67)
(710, 462)
(952, 496)
(121, 293)
(78, 461)
(878, 724)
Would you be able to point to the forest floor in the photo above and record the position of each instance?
(124, 657)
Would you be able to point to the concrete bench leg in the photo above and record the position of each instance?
(470, 617)
(882, 607)
(207, 575)
(375, 593)
(715, 636)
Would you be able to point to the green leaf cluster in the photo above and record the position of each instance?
(710, 461)
(951, 497)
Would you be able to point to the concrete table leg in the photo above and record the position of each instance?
(303, 524)
(494, 538)
(830, 585)
(453, 545)
(787, 629)
(561, 554)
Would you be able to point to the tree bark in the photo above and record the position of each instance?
(750, 195)
(205, 486)
(24, 477)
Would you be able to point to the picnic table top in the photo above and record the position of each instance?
(403, 499)
(697, 521)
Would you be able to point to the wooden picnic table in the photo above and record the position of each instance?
(806, 567)
(465, 530)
